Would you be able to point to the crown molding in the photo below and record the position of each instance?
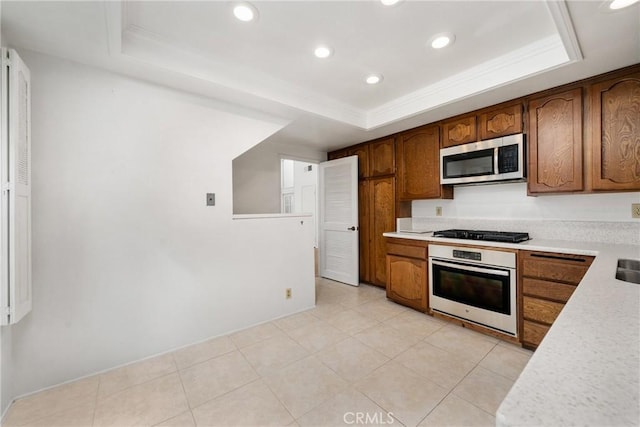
(531, 59)
(564, 25)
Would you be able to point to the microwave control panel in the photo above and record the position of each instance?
(508, 158)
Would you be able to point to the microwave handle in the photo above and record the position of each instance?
(496, 165)
(470, 268)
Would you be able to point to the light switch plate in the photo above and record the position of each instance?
(211, 199)
(635, 210)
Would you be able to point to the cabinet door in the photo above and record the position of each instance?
(555, 143)
(382, 217)
(382, 158)
(407, 281)
(364, 215)
(501, 122)
(459, 131)
(418, 153)
(615, 107)
(362, 151)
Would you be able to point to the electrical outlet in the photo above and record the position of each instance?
(438, 210)
(635, 210)
(288, 293)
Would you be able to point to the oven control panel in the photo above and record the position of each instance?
(474, 256)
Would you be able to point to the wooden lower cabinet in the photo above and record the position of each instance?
(547, 281)
(407, 273)
(533, 333)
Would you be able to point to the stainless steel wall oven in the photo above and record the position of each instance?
(476, 285)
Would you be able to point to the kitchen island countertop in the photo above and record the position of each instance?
(587, 369)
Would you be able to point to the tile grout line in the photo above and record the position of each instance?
(457, 384)
(95, 406)
(226, 392)
(184, 392)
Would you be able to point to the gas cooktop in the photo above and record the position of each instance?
(492, 236)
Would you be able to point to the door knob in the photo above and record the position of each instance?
(352, 228)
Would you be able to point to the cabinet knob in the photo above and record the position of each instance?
(353, 228)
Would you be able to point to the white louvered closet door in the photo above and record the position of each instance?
(16, 188)
(339, 220)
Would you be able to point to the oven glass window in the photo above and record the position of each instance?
(476, 163)
(482, 290)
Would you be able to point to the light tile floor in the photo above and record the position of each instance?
(354, 359)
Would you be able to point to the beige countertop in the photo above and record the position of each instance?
(587, 369)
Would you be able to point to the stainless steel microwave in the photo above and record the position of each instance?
(499, 159)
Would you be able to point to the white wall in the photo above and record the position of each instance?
(302, 177)
(127, 259)
(510, 201)
(256, 176)
(5, 383)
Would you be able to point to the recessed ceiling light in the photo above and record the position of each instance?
(620, 4)
(389, 2)
(245, 12)
(442, 40)
(374, 79)
(323, 51)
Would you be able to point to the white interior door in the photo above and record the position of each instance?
(339, 220)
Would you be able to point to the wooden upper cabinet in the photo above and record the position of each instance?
(418, 160)
(362, 151)
(501, 122)
(459, 131)
(382, 157)
(555, 143)
(615, 124)
(338, 154)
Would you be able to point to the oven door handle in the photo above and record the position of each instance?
(467, 267)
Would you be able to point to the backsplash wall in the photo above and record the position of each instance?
(510, 201)
(602, 218)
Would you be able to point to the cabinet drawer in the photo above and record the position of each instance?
(533, 332)
(407, 251)
(541, 310)
(556, 267)
(548, 290)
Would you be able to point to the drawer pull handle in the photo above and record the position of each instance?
(559, 258)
